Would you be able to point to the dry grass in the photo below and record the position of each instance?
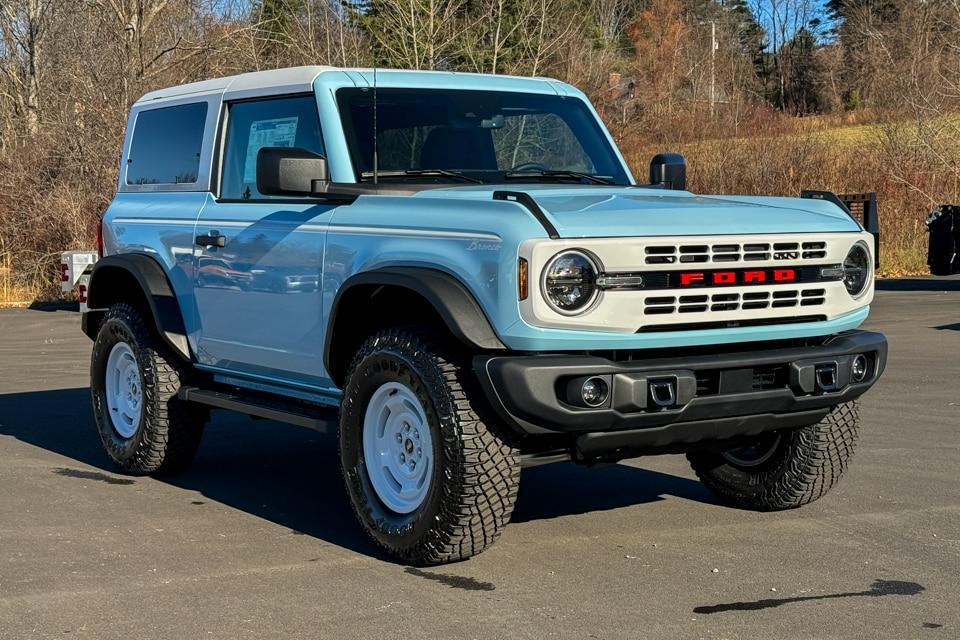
(48, 204)
(901, 161)
(11, 293)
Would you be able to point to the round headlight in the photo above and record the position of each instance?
(856, 269)
(570, 282)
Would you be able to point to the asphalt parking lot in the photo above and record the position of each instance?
(257, 539)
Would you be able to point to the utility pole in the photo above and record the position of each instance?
(713, 66)
(713, 63)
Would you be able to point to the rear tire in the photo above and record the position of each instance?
(797, 467)
(473, 470)
(134, 380)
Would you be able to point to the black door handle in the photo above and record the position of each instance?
(212, 239)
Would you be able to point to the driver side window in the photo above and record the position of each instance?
(254, 124)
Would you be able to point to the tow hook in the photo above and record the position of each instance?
(827, 377)
(663, 392)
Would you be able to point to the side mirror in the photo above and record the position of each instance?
(289, 171)
(669, 170)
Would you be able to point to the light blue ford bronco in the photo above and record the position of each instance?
(459, 275)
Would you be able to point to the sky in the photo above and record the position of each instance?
(763, 9)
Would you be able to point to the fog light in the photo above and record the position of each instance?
(859, 369)
(594, 392)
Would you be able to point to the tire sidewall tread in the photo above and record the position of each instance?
(476, 470)
(169, 431)
(808, 463)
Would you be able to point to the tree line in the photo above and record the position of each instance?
(661, 72)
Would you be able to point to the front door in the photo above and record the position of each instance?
(259, 295)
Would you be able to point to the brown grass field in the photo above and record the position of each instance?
(903, 162)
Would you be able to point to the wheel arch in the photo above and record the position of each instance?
(442, 297)
(140, 280)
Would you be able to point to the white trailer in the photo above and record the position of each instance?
(75, 270)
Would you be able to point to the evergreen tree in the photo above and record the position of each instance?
(275, 19)
(884, 10)
(854, 21)
(750, 34)
(803, 91)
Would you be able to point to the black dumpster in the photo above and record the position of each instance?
(943, 255)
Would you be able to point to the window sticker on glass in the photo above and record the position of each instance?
(279, 132)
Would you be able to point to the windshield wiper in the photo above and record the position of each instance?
(421, 173)
(561, 174)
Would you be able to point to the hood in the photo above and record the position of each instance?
(582, 212)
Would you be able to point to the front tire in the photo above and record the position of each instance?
(134, 380)
(783, 470)
(408, 395)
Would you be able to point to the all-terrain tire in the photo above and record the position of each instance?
(476, 470)
(805, 464)
(169, 430)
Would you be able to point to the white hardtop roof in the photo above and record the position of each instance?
(292, 79)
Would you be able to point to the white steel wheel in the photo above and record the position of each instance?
(134, 380)
(397, 447)
(124, 390)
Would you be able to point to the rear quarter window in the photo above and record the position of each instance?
(166, 145)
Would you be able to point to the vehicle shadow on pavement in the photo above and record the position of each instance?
(878, 589)
(565, 488)
(290, 475)
(285, 474)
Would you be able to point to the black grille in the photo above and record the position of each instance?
(750, 252)
(773, 377)
(708, 383)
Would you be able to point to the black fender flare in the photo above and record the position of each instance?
(450, 298)
(157, 292)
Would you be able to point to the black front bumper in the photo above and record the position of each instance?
(716, 395)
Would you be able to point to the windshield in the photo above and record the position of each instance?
(476, 136)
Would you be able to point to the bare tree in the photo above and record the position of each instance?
(491, 34)
(785, 18)
(611, 17)
(546, 32)
(70, 69)
(416, 34)
(23, 32)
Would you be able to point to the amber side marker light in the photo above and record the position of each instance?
(522, 279)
